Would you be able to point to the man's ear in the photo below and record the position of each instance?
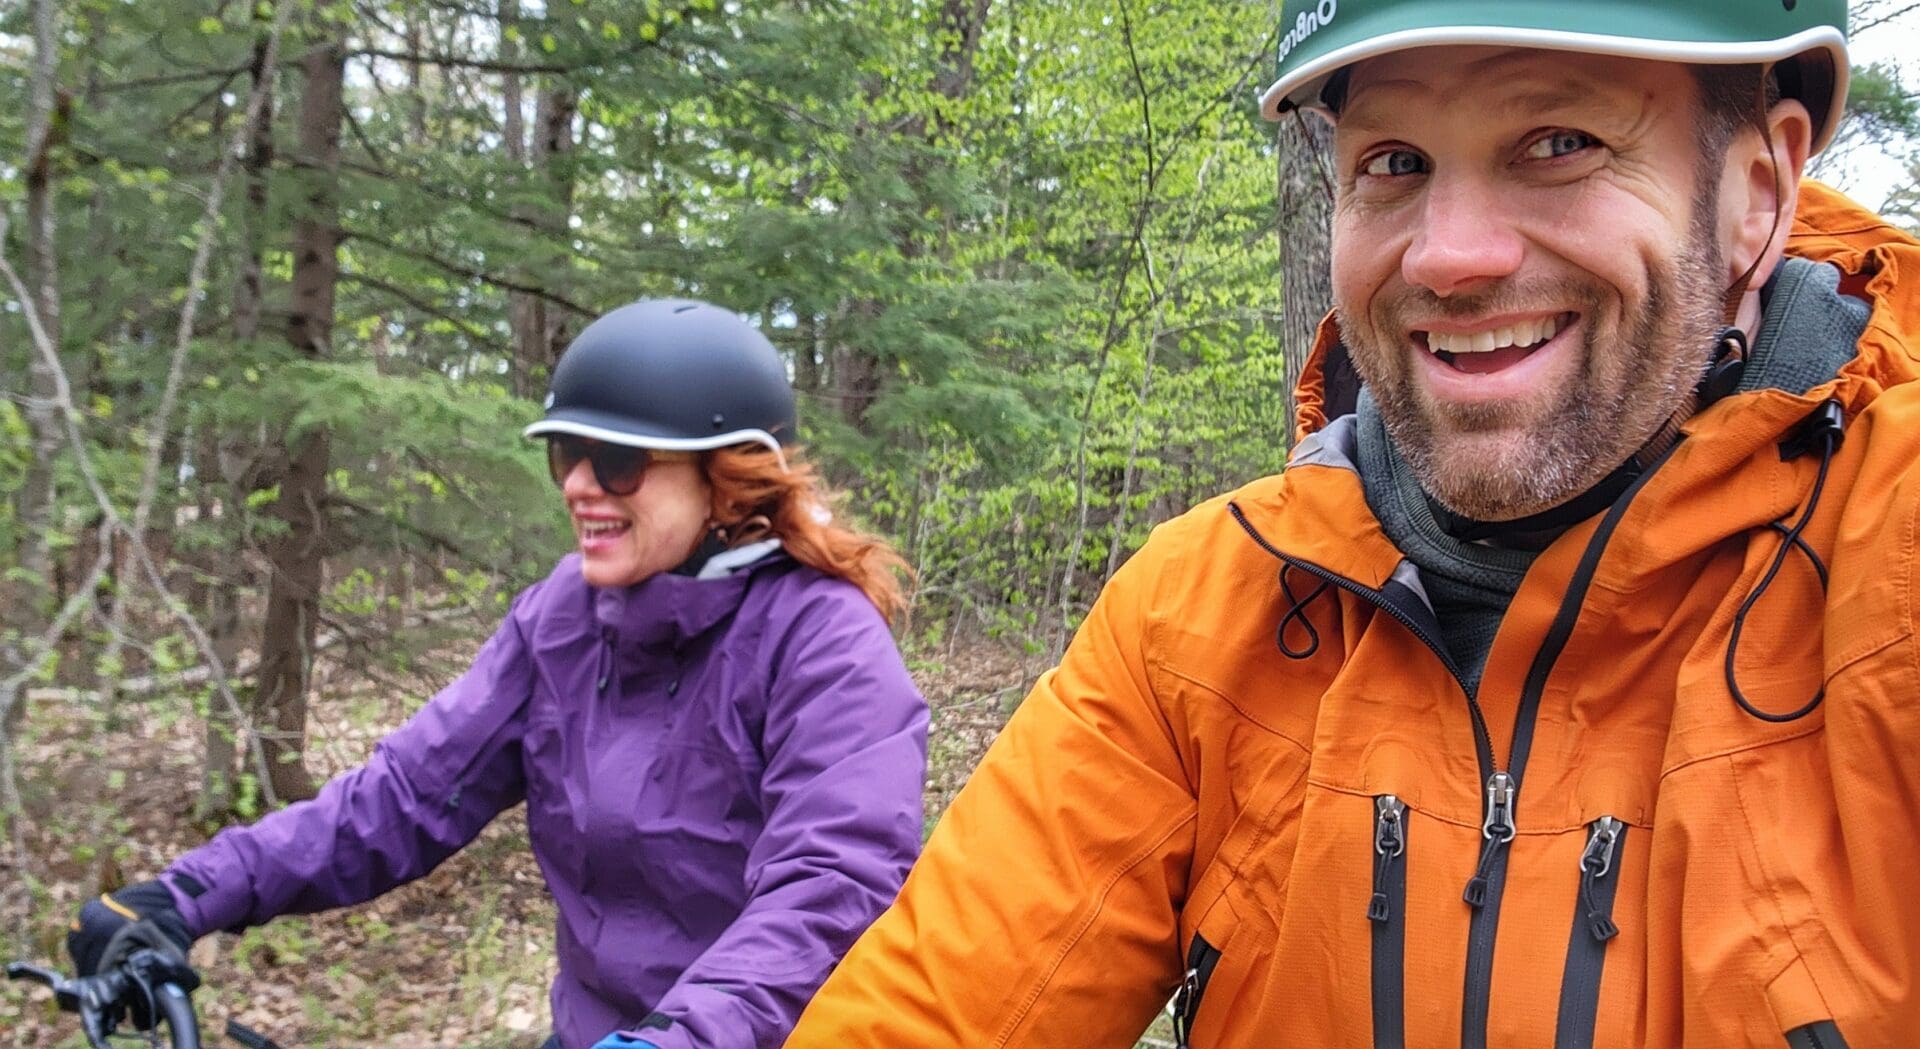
(1761, 188)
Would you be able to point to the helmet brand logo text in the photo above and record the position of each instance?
(1307, 23)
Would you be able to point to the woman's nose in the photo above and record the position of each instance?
(580, 482)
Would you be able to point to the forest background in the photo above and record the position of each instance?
(282, 280)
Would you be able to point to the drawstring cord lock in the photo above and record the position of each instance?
(1827, 421)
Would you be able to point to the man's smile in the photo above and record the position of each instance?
(1495, 358)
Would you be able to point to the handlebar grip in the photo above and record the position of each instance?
(23, 971)
(175, 1008)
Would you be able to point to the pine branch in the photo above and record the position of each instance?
(469, 272)
(472, 331)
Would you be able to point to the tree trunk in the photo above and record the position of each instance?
(553, 162)
(1306, 242)
(293, 595)
(416, 85)
(539, 330)
(806, 349)
(45, 132)
(513, 125)
(228, 467)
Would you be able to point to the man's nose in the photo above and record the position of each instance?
(1462, 238)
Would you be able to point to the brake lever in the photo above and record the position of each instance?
(96, 998)
(66, 993)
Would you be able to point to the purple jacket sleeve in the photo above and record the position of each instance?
(429, 788)
(846, 756)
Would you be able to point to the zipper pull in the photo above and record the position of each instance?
(1497, 829)
(1389, 842)
(1596, 862)
(1185, 1004)
(1201, 958)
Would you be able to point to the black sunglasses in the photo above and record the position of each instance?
(618, 468)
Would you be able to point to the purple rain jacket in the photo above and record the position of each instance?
(723, 783)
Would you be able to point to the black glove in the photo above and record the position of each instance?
(115, 925)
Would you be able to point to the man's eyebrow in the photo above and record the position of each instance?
(1374, 114)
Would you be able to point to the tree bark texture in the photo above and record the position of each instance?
(298, 555)
(540, 331)
(1306, 242)
(229, 464)
(46, 122)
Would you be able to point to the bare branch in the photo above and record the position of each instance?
(462, 61)
(226, 73)
(1875, 20)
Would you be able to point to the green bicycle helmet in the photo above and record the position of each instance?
(1807, 38)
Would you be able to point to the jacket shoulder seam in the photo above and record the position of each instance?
(1244, 713)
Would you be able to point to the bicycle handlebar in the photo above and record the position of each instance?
(143, 985)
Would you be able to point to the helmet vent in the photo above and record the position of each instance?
(690, 306)
(719, 421)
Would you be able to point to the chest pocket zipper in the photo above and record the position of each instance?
(1822, 1035)
(1201, 959)
(1386, 910)
(1593, 927)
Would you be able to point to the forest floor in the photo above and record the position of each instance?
(461, 957)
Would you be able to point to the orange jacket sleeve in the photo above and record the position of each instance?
(1044, 908)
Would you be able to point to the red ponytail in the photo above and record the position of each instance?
(754, 497)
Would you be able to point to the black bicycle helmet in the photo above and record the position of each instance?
(672, 374)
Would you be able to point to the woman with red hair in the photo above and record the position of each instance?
(720, 749)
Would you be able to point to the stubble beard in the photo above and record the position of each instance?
(1597, 420)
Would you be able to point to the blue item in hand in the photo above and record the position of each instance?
(616, 1040)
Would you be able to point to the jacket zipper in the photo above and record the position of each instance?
(1387, 911)
(1502, 790)
(1201, 959)
(1502, 797)
(1593, 927)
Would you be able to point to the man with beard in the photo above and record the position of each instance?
(1564, 690)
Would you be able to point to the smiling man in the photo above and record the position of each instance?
(1564, 691)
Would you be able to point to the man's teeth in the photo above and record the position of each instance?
(1525, 333)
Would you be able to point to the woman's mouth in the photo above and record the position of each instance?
(597, 534)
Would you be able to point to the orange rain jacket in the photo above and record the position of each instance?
(1288, 837)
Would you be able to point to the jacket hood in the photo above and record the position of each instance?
(1827, 227)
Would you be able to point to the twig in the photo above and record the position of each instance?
(462, 61)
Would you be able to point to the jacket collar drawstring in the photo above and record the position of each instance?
(1823, 430)
(603, 659)
(1297, 609)
(1296, 605)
